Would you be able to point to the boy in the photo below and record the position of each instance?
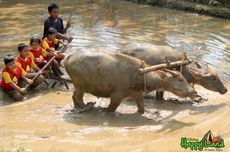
(27, 64)
(11, 75)
(56, 22)
(35, 52)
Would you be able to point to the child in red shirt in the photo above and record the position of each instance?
(35, 52)
(11, 75)
(27, 64)
(48, 44)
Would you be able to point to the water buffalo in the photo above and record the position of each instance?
(117, 76)
(202, 75)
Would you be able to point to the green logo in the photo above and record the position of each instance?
(208, 141)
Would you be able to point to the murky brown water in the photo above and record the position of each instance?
(44, 122)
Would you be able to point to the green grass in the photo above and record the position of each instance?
(21, 148)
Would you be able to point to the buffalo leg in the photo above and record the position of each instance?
(159, 95)
(116, 98)
(78, 98)
(138, 96)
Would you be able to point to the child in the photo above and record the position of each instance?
(35, 52)
(27, 65)
(48, 44)
(11, 75)
(56, 22)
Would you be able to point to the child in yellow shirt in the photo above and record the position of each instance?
(27, 64)
(36, 52)
(11, 75)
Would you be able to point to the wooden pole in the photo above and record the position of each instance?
(69, 20)
(165, 65)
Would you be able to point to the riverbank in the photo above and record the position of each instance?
(216, 11)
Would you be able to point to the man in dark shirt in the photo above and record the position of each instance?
(56, 22)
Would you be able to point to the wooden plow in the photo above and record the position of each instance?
(61, 80)
(184, 61)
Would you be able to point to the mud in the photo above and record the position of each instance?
(45, 121)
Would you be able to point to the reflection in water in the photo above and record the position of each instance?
(45, 124)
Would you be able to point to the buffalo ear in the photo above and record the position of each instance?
(202, 68)
(162, 74)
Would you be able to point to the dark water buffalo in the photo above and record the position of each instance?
(117, 76)
(154, 54)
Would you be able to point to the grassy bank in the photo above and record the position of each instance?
(216, 9)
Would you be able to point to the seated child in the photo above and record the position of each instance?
(48, 44)
(27, 65)
(11, 75)
(35, 52)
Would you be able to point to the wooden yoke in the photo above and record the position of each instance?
(168, 64)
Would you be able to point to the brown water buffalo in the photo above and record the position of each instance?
(154, 54)
(117, 76)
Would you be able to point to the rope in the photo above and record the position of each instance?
(145, 90)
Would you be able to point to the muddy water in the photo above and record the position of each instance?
(45, 122)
